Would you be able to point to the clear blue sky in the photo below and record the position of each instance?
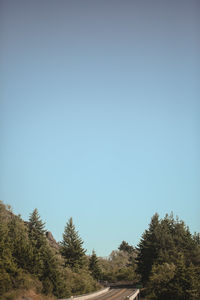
(100, 106)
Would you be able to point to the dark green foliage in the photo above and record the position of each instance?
(26, 259)
(197, 238)
(94, 266)
(15, 253)
(124, 246)
(36, 229)
(20, 245)
(168, 260)
(148, 249)
(8, 266)
(71, 247)
(80, 283)
(118, 267)
(169, 281)
(45, 263)
(38, 242)
(52, 276)
(27, 262)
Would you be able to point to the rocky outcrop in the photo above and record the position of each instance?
(52, 241)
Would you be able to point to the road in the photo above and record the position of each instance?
(115, 294)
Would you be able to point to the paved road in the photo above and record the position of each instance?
(115, 294)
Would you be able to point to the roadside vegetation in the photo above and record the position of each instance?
(120, 266)
(166, 262)
(29, 263)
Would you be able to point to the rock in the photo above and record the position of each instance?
(52, 241)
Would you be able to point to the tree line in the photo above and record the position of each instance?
(166, 262)
(28, 262)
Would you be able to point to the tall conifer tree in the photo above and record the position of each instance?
(94, 266)
(21, 246)
(148, 249)
(168, 248)
(71, 247)
(38, 241)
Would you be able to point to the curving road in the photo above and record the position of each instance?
(115, 294)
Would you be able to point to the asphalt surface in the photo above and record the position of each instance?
(115, 294)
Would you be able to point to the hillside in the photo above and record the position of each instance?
(32, 264)
(31, 260)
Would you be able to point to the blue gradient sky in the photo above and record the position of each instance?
(100, 105)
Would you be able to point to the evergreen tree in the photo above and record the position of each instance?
(124, 246)
(27, 261)
(197, 238)
(71, 247)
(8, 267)
(148, 250)
(45, 263)
(159, 280)
(170, 281)
(38, 241)
(52, 276)
(169, 260)
(94, 266)
(185, 285)
(20, 244)
(36, 228)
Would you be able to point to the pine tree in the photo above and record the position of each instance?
(36, 228)
(159, 280)
(168, 243)
(45, 263)
(185, 285)
(71, 247)
(196, 237)
(148, 249)
(52, 277)
(38, 241)
(20, 244)
(94, 266)
(124, 246)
